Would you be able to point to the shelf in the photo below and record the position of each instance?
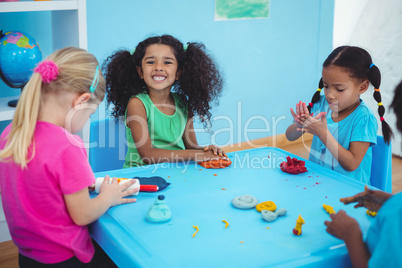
(28, 6)
(6, 112)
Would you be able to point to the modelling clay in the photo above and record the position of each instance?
(267, 205)
(329, 209)
(268, 215)
(100, 180)
(159, 211)
(158, 181)
(226, 223)
(293, 166)
(244, 202)
(196, 230)
(219, 163)
(298, 229)
(271, 216)
(371, 213)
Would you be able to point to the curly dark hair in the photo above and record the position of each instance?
(199, 85)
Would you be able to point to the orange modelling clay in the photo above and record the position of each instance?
(219, 163)
(298, 229)
(267, 205)
(329, 209)
(196, 230)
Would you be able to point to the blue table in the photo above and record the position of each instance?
(202, 197)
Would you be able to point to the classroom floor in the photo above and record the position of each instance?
(9, 252)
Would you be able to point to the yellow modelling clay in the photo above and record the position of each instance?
(196, 230)
(298, 229)
(328, 209)
(267, 205)
(371, 213)
(226, 223)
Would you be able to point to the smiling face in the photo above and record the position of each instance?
(341, 90)
(159, 67)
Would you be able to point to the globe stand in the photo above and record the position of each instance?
(12, 103)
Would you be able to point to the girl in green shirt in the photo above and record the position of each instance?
(159, 87)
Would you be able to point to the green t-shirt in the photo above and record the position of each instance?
(166, 131)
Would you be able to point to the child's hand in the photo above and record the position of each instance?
(343, 226)
(216, 150)
(210, 152)
(316, 125)
(301, 108)
(370, 199)
(116, 192)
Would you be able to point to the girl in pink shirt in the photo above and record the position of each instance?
(44, 172)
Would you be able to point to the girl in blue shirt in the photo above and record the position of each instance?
(383, 242)
(344, 127)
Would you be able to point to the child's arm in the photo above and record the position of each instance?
(349, 159)
(190, 141)
(346, 228)
(85, 210)
(137, 122)
(370, 199)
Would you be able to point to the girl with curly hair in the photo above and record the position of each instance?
(159, 87)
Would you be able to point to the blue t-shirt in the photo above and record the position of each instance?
(384, 237)
(361, 125)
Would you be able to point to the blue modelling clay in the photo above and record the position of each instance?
(159, 211)
(245, 202)
(271, 216)
(156, 180)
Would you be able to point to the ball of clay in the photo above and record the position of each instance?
(244, 202)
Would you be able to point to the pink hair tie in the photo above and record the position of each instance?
(311, 104)
(48, 71)
(381, 119)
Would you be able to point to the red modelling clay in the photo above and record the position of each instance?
(293, 166)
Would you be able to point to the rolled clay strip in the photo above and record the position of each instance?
(271, 216)
(268, 215)
(267, 205)
(244, 202)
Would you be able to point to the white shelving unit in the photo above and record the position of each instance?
(69, 28)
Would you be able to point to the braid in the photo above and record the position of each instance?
(375, 79)
(316, 96)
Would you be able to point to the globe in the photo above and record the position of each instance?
(19, 54)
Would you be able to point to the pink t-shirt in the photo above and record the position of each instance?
(33, 201)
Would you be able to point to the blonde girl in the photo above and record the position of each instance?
(44, 171)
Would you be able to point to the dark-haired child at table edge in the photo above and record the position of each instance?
(344, 127)
(383, 244)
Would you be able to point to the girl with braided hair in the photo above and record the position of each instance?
(344, 127)
(159, 87)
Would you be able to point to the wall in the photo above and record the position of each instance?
(377, 27)
(269, 64)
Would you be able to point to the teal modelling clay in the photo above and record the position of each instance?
(159, 211)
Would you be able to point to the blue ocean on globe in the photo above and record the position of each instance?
(19, 54)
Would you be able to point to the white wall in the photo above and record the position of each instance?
(375, 25)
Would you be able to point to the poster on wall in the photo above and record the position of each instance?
(241, 9)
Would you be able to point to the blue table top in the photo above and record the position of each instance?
(202, 197)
